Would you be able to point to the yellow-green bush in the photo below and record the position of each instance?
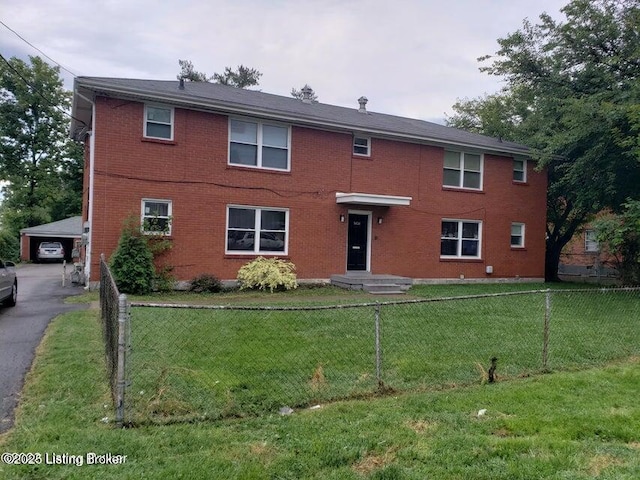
(267, 273)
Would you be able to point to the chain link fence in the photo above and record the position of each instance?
(116, 333)
(190, 362)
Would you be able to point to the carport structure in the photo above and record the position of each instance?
(66, 231)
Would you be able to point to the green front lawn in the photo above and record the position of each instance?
(190, 364)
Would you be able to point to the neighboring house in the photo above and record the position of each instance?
(68, 232)
(230, 174)
(583, 259)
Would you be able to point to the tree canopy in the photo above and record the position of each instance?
(189, 73)
(300, 94)
(573, 95)
(40, 163)
(241, 77)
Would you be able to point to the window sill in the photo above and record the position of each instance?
(355, 156)
(522, 184)
(252, 256)
(161, 141)
(248, 168)
(460, 189)
(461, 259)
(164, 236)
(518, 249)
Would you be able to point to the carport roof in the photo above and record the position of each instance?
(69, 227)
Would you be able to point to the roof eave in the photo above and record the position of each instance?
(239, 109)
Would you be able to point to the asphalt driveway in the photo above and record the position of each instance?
(40, 299)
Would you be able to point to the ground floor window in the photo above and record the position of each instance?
(257, 230)
(517, 235)
(156, 216)
(460, 239)
(590, 241)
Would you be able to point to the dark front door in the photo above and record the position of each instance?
(357, 242)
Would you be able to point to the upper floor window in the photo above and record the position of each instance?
(517, 235)
(257, 144)
(257, 230)
(590, 241)
(460, 239)
(519, 171)
(158, 122)
(362, 146)
(156, 216)
(462, 170)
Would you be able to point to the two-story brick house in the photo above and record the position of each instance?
(232, 174)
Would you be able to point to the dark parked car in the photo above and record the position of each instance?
(8, 284)
(50, 251)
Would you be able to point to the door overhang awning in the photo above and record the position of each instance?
(373, 199)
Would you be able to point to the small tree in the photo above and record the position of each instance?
(132, 262)
(620, 236)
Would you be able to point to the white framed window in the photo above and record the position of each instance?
(158, 122)
(257, 230)
(463, 170)
(517, 235)
(590, 241)
(519, 170)
(258, 144)
(461, 239)
(156, 216)
(362, 146)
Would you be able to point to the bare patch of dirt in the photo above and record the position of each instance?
(371, 463)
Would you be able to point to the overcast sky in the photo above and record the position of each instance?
(412, 58)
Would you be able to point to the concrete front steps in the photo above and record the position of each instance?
(375, 284)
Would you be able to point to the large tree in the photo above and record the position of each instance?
(572, 93)
(41, 165)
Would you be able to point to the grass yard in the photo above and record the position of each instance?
(194, 364)
(566, 425)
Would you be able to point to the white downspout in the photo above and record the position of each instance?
(92, 144)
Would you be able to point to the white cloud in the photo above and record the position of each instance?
(409, 57)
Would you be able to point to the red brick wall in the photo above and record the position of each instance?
(192, 171)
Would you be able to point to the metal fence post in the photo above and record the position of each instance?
(378, 348)
(123, 321)
(545, 335)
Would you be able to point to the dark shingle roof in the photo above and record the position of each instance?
(222, 98)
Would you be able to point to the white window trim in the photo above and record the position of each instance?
(522, 234)
(260, 124)
(362, 137)
(256, 246)
(459, 238)
(169, 216)
(462, 170)
(146, 121)
(524, 172)
(588, 242)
